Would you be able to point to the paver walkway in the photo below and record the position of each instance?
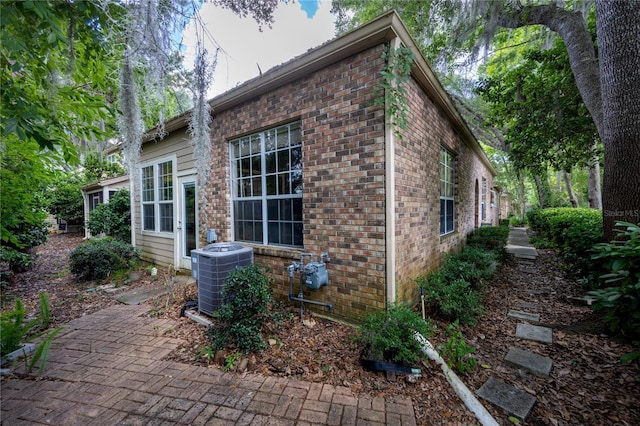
(107, 368)
(512, 399)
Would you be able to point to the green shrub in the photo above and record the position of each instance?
(247, 295)
(113, 218)
(620, 299)
(453, 299)
(472, 264)
(389, 335)
(14, 331)
(573, 231)
(97, 258)
(489, 237)
(456, 351)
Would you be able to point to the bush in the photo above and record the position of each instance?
(113, 218)
(453, 299)
(492, 238)
(97, 258)
(620, 298)
(572, 230)
(389, 335)
(247, 295)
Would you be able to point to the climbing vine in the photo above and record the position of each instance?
(395, 75)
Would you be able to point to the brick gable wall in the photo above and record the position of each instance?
(343, 172)
(344, 213)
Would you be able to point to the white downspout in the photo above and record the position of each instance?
(390, 199)
(469, 399)
(133, 207)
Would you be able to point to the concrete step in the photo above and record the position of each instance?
(524, 316)
(534, 332)
(529, 361)
(511, 399)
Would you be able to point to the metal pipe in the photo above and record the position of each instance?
(300, 298)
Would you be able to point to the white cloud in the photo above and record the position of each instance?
(244, 46)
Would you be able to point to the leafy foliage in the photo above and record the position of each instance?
(395, 75)
(95, 169)
(389, 335)
(573, 231)
(97, 258)
(620, 298)
(456, 351)
(46, 101)
(15, 328)
(22, 218)
(247, 295)
(454, 290)
(113, 218)
(64, 199)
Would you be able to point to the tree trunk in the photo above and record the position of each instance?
(618, 26)
(572, 196)
(521, 198)
(594, 192)
(542, 185)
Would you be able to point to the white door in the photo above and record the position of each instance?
(187, 221)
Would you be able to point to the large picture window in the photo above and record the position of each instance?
(266, 174)
(157, 197)
(446, 192)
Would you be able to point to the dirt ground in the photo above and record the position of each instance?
(587, 384)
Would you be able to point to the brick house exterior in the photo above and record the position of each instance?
(304, 161)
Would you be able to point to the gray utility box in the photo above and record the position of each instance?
(211, 265)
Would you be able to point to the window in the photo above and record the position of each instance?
(446, 192)
(266, 173)
(483, 200)
(94, 199)
(157, 197)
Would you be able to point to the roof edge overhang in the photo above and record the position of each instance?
(382, 29)
(105, 182)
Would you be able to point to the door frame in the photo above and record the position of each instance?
(181, 261)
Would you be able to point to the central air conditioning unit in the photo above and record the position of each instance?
(211, 266)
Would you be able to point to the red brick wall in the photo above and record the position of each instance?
(344, 183)
(420, 247)
(343, 160)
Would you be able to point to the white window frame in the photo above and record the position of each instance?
(255, 187)
(447, 191)
(160, 197)
(483, 200)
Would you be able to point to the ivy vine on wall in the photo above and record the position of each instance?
(395, 75)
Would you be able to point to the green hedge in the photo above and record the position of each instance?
(454, 290)
(99, 257)
(574, 231)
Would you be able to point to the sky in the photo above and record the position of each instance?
(298, 26)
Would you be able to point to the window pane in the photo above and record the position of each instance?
(295, 137)
(256, 166)
(283, 137)
(274, 233)
(297, 209)
(270, 162)
(165, 178)
(148, 217)
(285, 210)
(284, 186)
(272, 210)
(147, 184)
(257, 186)
(166, 217)
(272, 185)
(283, 160)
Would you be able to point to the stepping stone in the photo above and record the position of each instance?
(528, 306)
(534, 332)
(524, 316)
(528, 270)
(584, 300)
(135, 297)
(511, 399)
(529, 361)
